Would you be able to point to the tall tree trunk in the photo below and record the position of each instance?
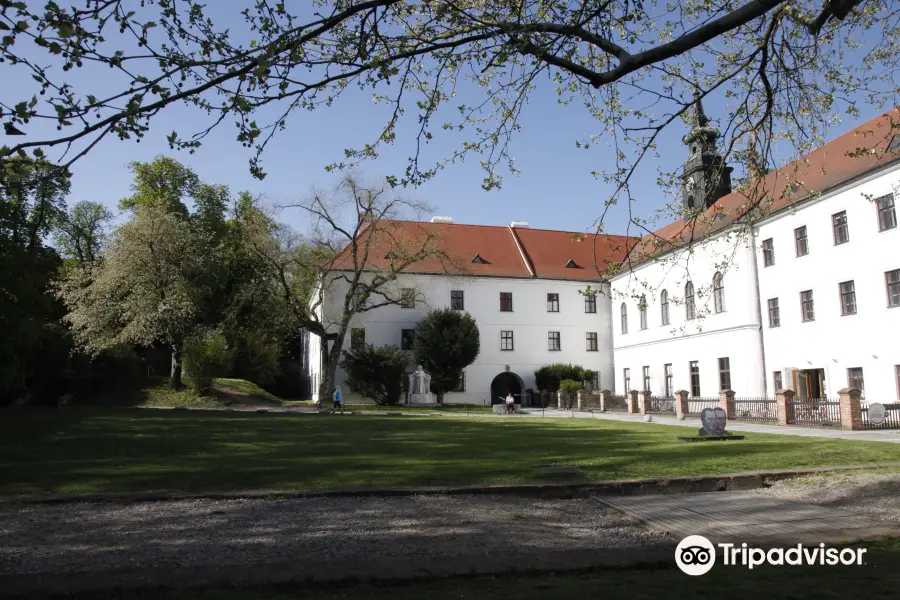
(176, 366)
(329, 374)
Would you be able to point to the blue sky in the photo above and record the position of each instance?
(555, 189)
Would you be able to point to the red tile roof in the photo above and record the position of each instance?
(508, 252)
(848, 156)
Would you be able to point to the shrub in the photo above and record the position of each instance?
(376, 373)
(549, 377)
(207, 356)
(569, 386)
(257, 357)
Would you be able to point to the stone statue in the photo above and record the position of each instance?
(420, 387)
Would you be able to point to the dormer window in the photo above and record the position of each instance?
(573, 265)
(479, 261)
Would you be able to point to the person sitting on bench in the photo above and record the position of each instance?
(510, 404)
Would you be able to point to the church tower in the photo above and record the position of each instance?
(706, 178)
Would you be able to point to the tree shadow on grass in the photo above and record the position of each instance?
(93, 450)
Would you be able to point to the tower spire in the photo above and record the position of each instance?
(705, 178)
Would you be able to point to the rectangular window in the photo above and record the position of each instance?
(407, 339)
(667, 369)
(840, 227)
(774, 313)
(807, 312)
(695, 379)
(892, 283)
(724, 373)
(855, 378)
(592, 341)
(457, 300)
(626, 376)
(552, 302)
(506, 302)
(801, 242)
(887, 215)
(407, 298)
(768, 248)
(553, 341)
(776, 380)
(646, 378)
(357, 337)
(642, 313)
(590, 303)
(848, 298)
(506, 340)
(461, 384)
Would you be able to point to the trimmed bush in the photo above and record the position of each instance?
(569, 386)
(549, 377)
(447, 341)
(376, 373)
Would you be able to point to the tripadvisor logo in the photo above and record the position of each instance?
(696, 555)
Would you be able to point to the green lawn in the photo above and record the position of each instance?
(81, 450)
(156, 392)
(878, 579)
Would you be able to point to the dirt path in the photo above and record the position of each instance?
(81, 546)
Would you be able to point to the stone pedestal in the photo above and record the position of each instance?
(645, 401)
(604, 399)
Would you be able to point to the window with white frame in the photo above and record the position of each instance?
(840, 227)
(553, 341)
(624, 311)
(552, 302)
(807, 310)
(626, 378)
(724, 373)
(801, 241)
(774, 313)
(591, 338)
(646, 377)
(855, 378)
(642, 311)
(695, 379)
(506, 341)
(664, 306)
(887, 214)
(590, 303)
(892, 284)
(848, 298)
(690, 309)
(768, 248)
(718, 293)
(667, 369)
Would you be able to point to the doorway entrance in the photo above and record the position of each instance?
(809, 383)
(503, 384)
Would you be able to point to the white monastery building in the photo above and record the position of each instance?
(793, 283)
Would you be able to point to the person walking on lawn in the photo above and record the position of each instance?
(337, 400)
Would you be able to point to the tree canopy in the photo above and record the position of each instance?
(466, 69)
(447, 341)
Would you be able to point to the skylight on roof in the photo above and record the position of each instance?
(479, 261)
(894, 146)
(573, 265)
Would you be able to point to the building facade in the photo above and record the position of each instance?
(525, 289)
(792, 283)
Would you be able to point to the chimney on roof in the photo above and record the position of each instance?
(519, 224)
(448, 220)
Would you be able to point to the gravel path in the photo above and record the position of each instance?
(96, 538)
(875, 495)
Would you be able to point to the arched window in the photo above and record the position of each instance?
(642, 310)
(689, 308)
(718, 293)
(624, 318)
(664, 306)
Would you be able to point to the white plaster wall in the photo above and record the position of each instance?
(733, 333)
(529, 321)
(868, 339)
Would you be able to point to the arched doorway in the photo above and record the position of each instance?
(503, 384)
